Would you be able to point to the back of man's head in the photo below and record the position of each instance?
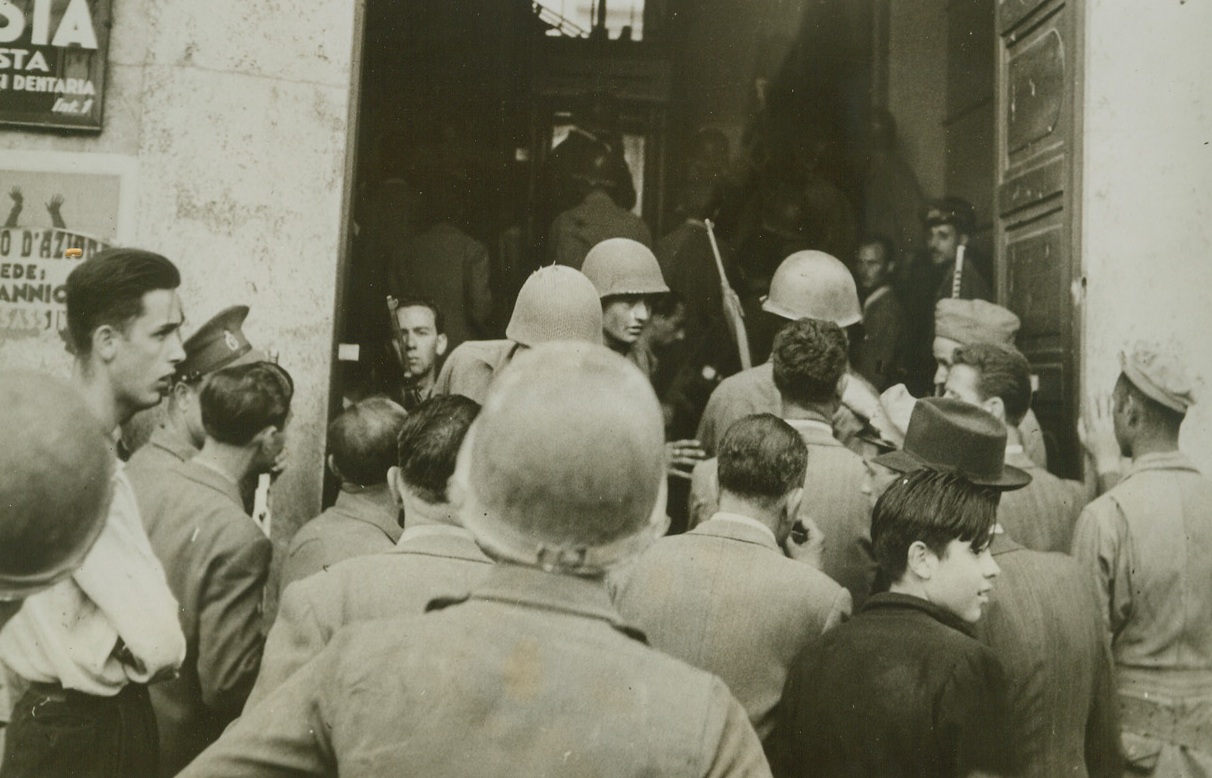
(809, 359)
(428, 444)
(108, 289)
(362, 441)
(55, 469)
(239, 402)
(761, 458)
(934, 507)
(1001, 372)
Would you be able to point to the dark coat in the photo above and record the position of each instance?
(899, 690)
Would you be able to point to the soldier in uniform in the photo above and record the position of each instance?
(813, 285)
(365, 519)
(54, 473)
(216, 557)
(555, 303)
(560, 480)
(434, 558)
(626, 276)
(1148, 544)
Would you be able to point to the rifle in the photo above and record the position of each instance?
(734, 314)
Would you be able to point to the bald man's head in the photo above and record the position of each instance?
(55, 471)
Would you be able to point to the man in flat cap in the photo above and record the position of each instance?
(364, 519)
(89, 645)
(556, 303)
(435, 557)
(1148, 544)
(965, 322)
(55, 471)
(560, 479)
(218, 343)
(216, 556)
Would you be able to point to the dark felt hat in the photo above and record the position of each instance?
(217, 344)
(953, 435)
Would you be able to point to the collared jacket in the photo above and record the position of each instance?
(575, 231)
(161, 451)
(354, 526)
(470, 369)
(1041, 515)
(429, 563)
(217, 562)
(900, 690)
(885, 338)
(725, 598)
(532, 675)
(833, 503)
(1148, 544)
(1044, 625)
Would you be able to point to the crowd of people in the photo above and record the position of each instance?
(863, 581)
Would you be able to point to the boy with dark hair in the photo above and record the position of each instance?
(216, 557)
(89, 645)
(903, 689)
(725, 597)
(434, 558)
(364, 519)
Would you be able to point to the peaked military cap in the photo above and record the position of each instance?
(217, 344)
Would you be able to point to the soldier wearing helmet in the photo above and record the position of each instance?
(626, 275)
(555, 303)
(807, 285)
(560, 479)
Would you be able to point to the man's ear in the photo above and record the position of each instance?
(393, 483)
(332, 467)
(441, 345)
(842, 383)
(105, 340)
(996, 406)
(921, 560)
(794, 499)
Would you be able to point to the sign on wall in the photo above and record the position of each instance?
(72, 202)
(52, 62)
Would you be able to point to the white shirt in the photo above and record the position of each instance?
(67, 633)
(743, 519)
(421, 530)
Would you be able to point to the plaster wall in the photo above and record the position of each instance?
(917, 87)
(1147, 192)
(229, 120)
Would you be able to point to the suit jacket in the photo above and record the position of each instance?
(1041, 515)
(441, 562)
(724, 598)
(532, 675)
(900, 690)
(446, 266)
(161, 451)
(882, 356)
(575, 231)
(833, 502)
(1044, 625)
(353, 526)
(470, 368)
(217, 562)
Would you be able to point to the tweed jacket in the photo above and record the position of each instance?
(354, 526)
(1148, 544)
(533, 675)
(725, 598)
(216, 561)
(470, 368)
(575, 231)
(833, 502)
(439, 562)
(1044, 625)
(1041, 515)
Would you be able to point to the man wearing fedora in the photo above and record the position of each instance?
(1148, 544)
(903, 689)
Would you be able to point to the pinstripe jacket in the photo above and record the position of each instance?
(430, 562)
(724, 598)
(1041, 515)
(1044, 626)
(833, 502)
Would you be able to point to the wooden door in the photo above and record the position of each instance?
(1037, 223)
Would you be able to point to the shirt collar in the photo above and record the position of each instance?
(748, 521)
(165, 439)
(370, 509)
(875, 295)
(817, 429)
(531, 587)
(1169, 460)
(431, 530)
